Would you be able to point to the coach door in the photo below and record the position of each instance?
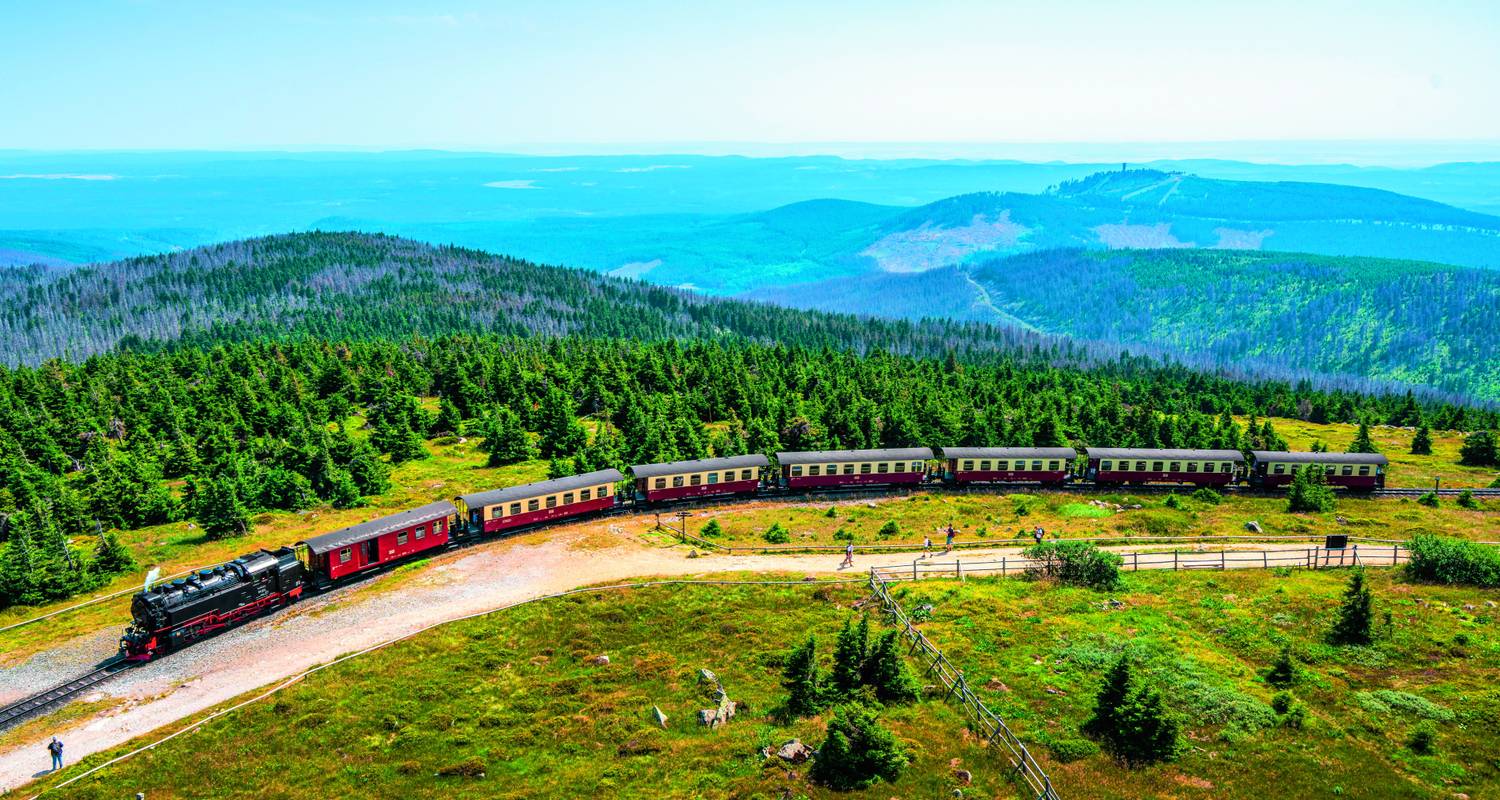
(372, 551)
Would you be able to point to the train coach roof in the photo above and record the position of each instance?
(1285, 457)
(1008, 452)
(354, 534)
(701, 465)
(1130, 452)
(528, 490)
(824, 456)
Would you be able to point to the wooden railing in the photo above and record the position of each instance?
(991, 727)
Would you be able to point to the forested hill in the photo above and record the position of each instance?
(361, 286)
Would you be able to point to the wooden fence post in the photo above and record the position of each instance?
(1002, 566)
(1174, 559)
(1222, 565)
(1265, 560)
(1135, 561)
(958, 567)
(914, 568)
(1356, 555)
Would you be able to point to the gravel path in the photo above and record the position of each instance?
(322, 628)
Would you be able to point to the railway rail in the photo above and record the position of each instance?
(62, 693)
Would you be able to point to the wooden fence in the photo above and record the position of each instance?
(1175, 559)
(991, 727)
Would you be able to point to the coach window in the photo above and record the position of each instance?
(882, 468)
(985, 466)
(552, 501)
(515, 508)
(968, 465)
(1036, 466)
(1176, 467)
(713, 478)
(1001, 466)
(532, 505)
(1104, 466)
(1348, 470)
(585, 494)
(401, 538)
(1330, 469)
(745, 475)
(1052, 465)
(661, 483)
(422, 531)
(694, 480)
(1208, 466)
(1364, 470)
(676, 481)
(864, 469)
(796, 470)
(568, 499)
(344, 556)
(900, 466)
(497, 512)
(1192, 466)
(812, 470)
(1156, 466)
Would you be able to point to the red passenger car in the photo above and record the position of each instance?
(1363, 472)
(1111, 465)
(375, 543)
(1045, 465)
(701, 478)
(531, 503)
(821, 468)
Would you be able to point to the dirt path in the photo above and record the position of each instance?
(321, 629)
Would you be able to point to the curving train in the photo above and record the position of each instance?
(173, 615)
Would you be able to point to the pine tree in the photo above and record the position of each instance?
(344, 493)
(1356, 613)
(371, 475)
(890, 675)
(1130, 720)
(562, 433)
(221, 512)
(1479, 450)
(802, 678)
(849, 654)
(449, 421)
(505, 440)
(1362, 443)
(1110, 699)
(1421, 443)
(858, 752)
(111, 557)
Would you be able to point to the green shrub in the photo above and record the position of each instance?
(1466, 500)
(1309, 491)
(889, 529)
(1439, 559)
(1295, 717)
(1283, 672)
(888, 672)
(467, 768)
(777, 534)
(832, 512)
(1207, 495)
(1390, 701)
(711, 530)
(1422, 739)
(1430, 500)
(1282, 702)
(843, 535)
(1173, 501)
(1066, 751)
(858, 752)
(1075, 563)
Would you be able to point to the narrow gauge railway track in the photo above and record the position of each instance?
(62, 693)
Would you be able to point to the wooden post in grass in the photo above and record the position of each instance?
(914, 568)
(1002, 566)
(1356, 555)
(1174, 559)
(1135, 561)
(958, 567)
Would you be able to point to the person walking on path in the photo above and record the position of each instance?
(927, 546)
(1038, 534)
(55, 748)
(948, 545)
(848, 556)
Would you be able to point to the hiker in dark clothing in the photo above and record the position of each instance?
(948, 545)
(1038, 534)
(55, 748)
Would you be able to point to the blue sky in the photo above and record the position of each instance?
(559, 75)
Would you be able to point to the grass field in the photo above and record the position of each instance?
(514, 694)
(458, 468)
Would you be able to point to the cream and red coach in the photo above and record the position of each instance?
(811, 469)
(1271, 469)
(368, 545)
(701, 478)
(1044, 465)
(1112, 465)
(534, 503)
